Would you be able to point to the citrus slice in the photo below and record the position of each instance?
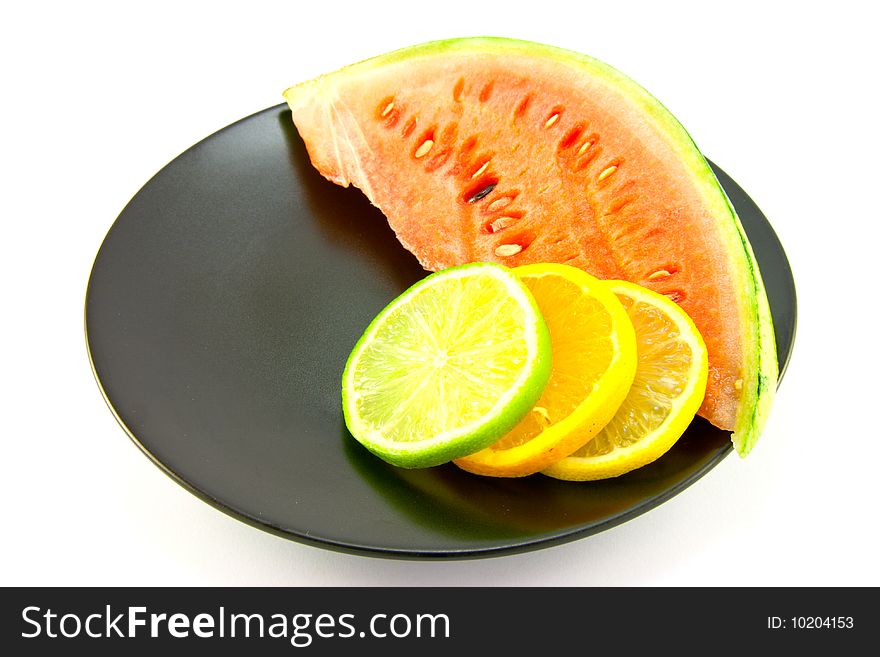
(447, 368)
(667, 391)
(594, 361)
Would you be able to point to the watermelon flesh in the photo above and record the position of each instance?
(513, 152)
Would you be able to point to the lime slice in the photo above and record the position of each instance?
(447, 368)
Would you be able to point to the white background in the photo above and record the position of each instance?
(96, 98)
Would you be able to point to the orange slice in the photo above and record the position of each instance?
(667, 391)
(594, 362)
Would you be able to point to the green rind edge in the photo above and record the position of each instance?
(504, 419)
(752, 417)
(758, 392)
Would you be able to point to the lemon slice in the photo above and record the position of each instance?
(447, 368)
(594, 361)
(668, 389)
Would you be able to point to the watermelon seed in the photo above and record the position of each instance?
(675, 295)
(506, 250)
(607, 172)
(484, 192)
(571, 136)
(555, 113)
(388, 112)
(426, 146)
(480, 170)
(660, 273)
(588, 159)
(501, 223)
(585, 147)
(738, 384)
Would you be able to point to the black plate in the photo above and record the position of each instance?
(220, 311)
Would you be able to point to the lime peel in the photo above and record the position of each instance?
(408, 386)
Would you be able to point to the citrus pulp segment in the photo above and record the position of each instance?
(594, 361)
(447, 368)
(668, 389)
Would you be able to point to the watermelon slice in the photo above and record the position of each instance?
(488, 149)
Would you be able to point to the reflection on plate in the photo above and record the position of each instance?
(220, 311)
